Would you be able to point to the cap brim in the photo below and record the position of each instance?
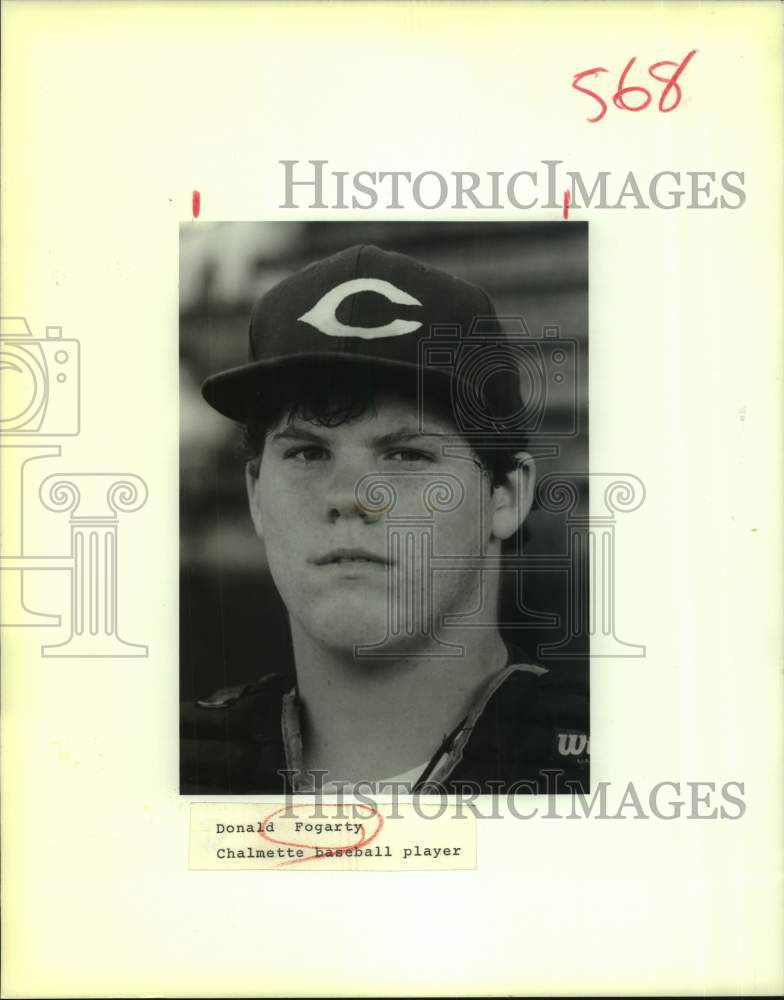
(233, 392)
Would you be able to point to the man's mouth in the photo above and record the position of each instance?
(348, 557)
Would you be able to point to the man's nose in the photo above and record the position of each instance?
(344, 497)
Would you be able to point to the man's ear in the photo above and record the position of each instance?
(513, 497)
(252, 486)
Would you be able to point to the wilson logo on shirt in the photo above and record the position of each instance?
(573, 744)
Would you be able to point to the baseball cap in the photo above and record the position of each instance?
(372, 306)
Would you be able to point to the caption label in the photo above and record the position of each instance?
(347, 835)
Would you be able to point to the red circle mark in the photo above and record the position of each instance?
(364, 840)
(196, 204)
(567, 203)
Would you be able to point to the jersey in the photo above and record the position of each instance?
(527, 731)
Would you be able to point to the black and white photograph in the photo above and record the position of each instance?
(383, 494)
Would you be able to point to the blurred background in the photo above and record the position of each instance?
(233, 625)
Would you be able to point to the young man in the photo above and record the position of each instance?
(386, 471)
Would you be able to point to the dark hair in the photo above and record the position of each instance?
(333, 393)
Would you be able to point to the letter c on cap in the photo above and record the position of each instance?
(322, 315)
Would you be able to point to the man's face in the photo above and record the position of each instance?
(364, 545)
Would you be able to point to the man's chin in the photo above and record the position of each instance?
(344, 619)
(357, 634)
(348, 637)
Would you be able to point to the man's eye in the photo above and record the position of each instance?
(304, 454)
(409, 456)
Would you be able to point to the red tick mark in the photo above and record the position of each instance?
(567, 203)
(196, 204)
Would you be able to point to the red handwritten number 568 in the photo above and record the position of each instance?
(642, 97)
